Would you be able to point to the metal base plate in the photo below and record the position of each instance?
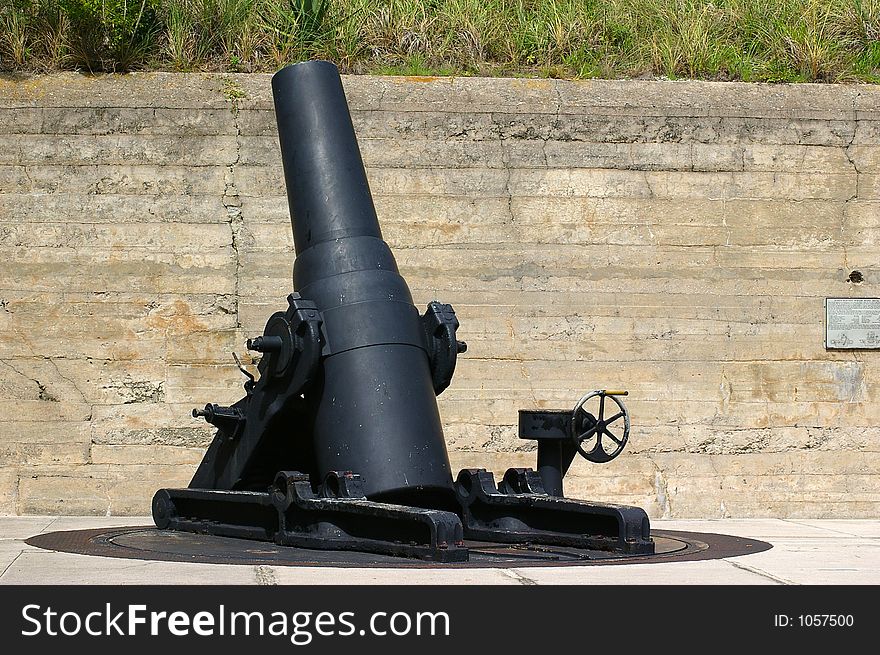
(149, 543)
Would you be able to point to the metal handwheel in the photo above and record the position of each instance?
(591, 431)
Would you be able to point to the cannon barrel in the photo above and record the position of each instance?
(373, 403)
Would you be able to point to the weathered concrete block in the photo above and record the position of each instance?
(63, 494)
(162, 424)
(869, 187)
(96, 489)
(119, 149)
(9, 490)
(136, 90)
(148, 236)
(21, 120)
(18, 207)
(145, 454)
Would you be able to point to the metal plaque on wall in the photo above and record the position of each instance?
(852, 323)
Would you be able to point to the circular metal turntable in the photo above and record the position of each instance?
(149, 543)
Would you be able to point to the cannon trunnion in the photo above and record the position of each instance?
(338, 443)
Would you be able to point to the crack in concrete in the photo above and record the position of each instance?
(647, 179)
(42, 394)
(9, 566)
(519, 577)
(855, 196)
(52, 361)
(763, 574)
(854, 132)
(555, 126)
(508, 170)
(849, 145)
(232, 204)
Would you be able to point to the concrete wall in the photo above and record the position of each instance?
(676, 239)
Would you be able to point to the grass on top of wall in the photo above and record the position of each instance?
(751, 40)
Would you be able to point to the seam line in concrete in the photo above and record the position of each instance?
(49, 525)
(759, 572)
(807, 525)
(8, 566)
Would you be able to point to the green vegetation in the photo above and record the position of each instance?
(752, 40)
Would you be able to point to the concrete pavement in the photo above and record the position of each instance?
(804, 552)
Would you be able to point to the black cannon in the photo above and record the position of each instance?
(339, 444)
